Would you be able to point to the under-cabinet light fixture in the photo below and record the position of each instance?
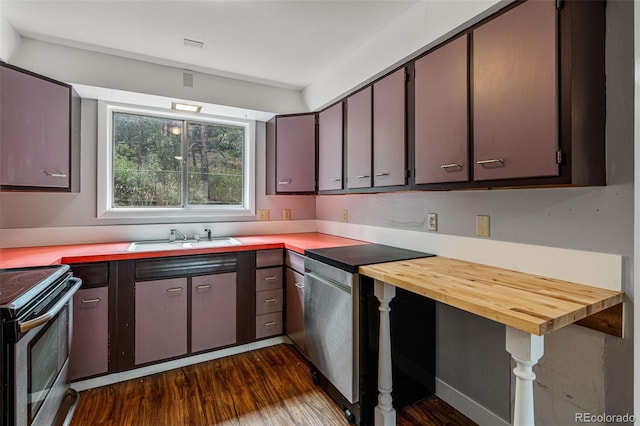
(185, 107)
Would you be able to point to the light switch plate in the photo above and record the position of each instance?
(482, 225)
(286, 214)
(345, 215)
(432, 222)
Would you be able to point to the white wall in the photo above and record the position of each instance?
(9, 40)
(80, 66)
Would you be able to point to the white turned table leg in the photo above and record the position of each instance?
(526, 349)
(385, 415)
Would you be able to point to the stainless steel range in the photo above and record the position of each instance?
(36, 313)
(341, 330)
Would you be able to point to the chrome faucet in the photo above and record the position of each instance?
(174, 232)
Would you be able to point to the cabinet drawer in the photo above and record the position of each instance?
(269, 279)
(295, 261)
(92, 274)
(268, 301)
(269, 258)
(268, 325)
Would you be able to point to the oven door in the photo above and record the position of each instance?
(40, 361)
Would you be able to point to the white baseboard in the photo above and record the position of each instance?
(178, 363)
(467, 406)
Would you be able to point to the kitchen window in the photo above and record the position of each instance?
(161, 163)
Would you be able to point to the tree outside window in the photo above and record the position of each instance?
(156, 163)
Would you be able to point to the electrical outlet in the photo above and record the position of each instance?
(286, 214)
(345, 215)
(482, 225)
(432, 221)
(263, 214)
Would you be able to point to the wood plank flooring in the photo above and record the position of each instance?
(270, 386)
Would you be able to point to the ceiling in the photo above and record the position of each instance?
(287, 44)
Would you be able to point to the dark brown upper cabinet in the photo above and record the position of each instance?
(515, 97)
(291, 154)
(359, 139)
(39, 132)
(441, 114)
(330, 148)
(389, 135)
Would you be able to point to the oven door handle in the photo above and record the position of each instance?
(31, 324)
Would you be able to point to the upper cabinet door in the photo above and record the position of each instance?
(296, 153)
(34, 131)
(330, 147)
(441, 115)
(359, 139)
(389, 139)
(515, 83)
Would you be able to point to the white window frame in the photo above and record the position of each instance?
(105, 168)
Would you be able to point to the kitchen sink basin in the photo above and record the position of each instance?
(182, 244)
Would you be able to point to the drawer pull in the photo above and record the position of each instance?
(382, 174)
(335, 180)
(87, 301)
(271, 278)
(300, 285)
(53, 174)
(363, 176)
(451, 166)
(271, 300)
(269, 324)
(203, 286)
(284, 182)
(174, 289)
(492, 161)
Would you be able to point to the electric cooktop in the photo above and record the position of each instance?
(349, 258)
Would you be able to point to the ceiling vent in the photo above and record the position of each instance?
(194, 43)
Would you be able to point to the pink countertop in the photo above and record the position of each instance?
(83, 253)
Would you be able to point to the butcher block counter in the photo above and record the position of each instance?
(529, 306)
(530, 303)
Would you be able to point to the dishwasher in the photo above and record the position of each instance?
(341, 321)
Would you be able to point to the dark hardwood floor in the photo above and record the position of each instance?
(270, 386)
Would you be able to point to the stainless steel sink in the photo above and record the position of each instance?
(159, 245)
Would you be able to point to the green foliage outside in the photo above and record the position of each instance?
(148, 166)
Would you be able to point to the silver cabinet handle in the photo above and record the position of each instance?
(492, 161)
(203, 286)
(174, 289)
(269, 324)
(335, 180)
(299, 285)
(382, 174)
(271, 300)
(284, 182)
(51, 174)
(86, 301)
(451, 166)
(363, 176)
(270, 278)
(47, 316)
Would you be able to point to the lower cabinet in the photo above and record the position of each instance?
(213, 311)
(161, 319)
(90, 345)
(294, 313)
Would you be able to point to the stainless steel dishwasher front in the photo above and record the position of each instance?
(330, 320)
